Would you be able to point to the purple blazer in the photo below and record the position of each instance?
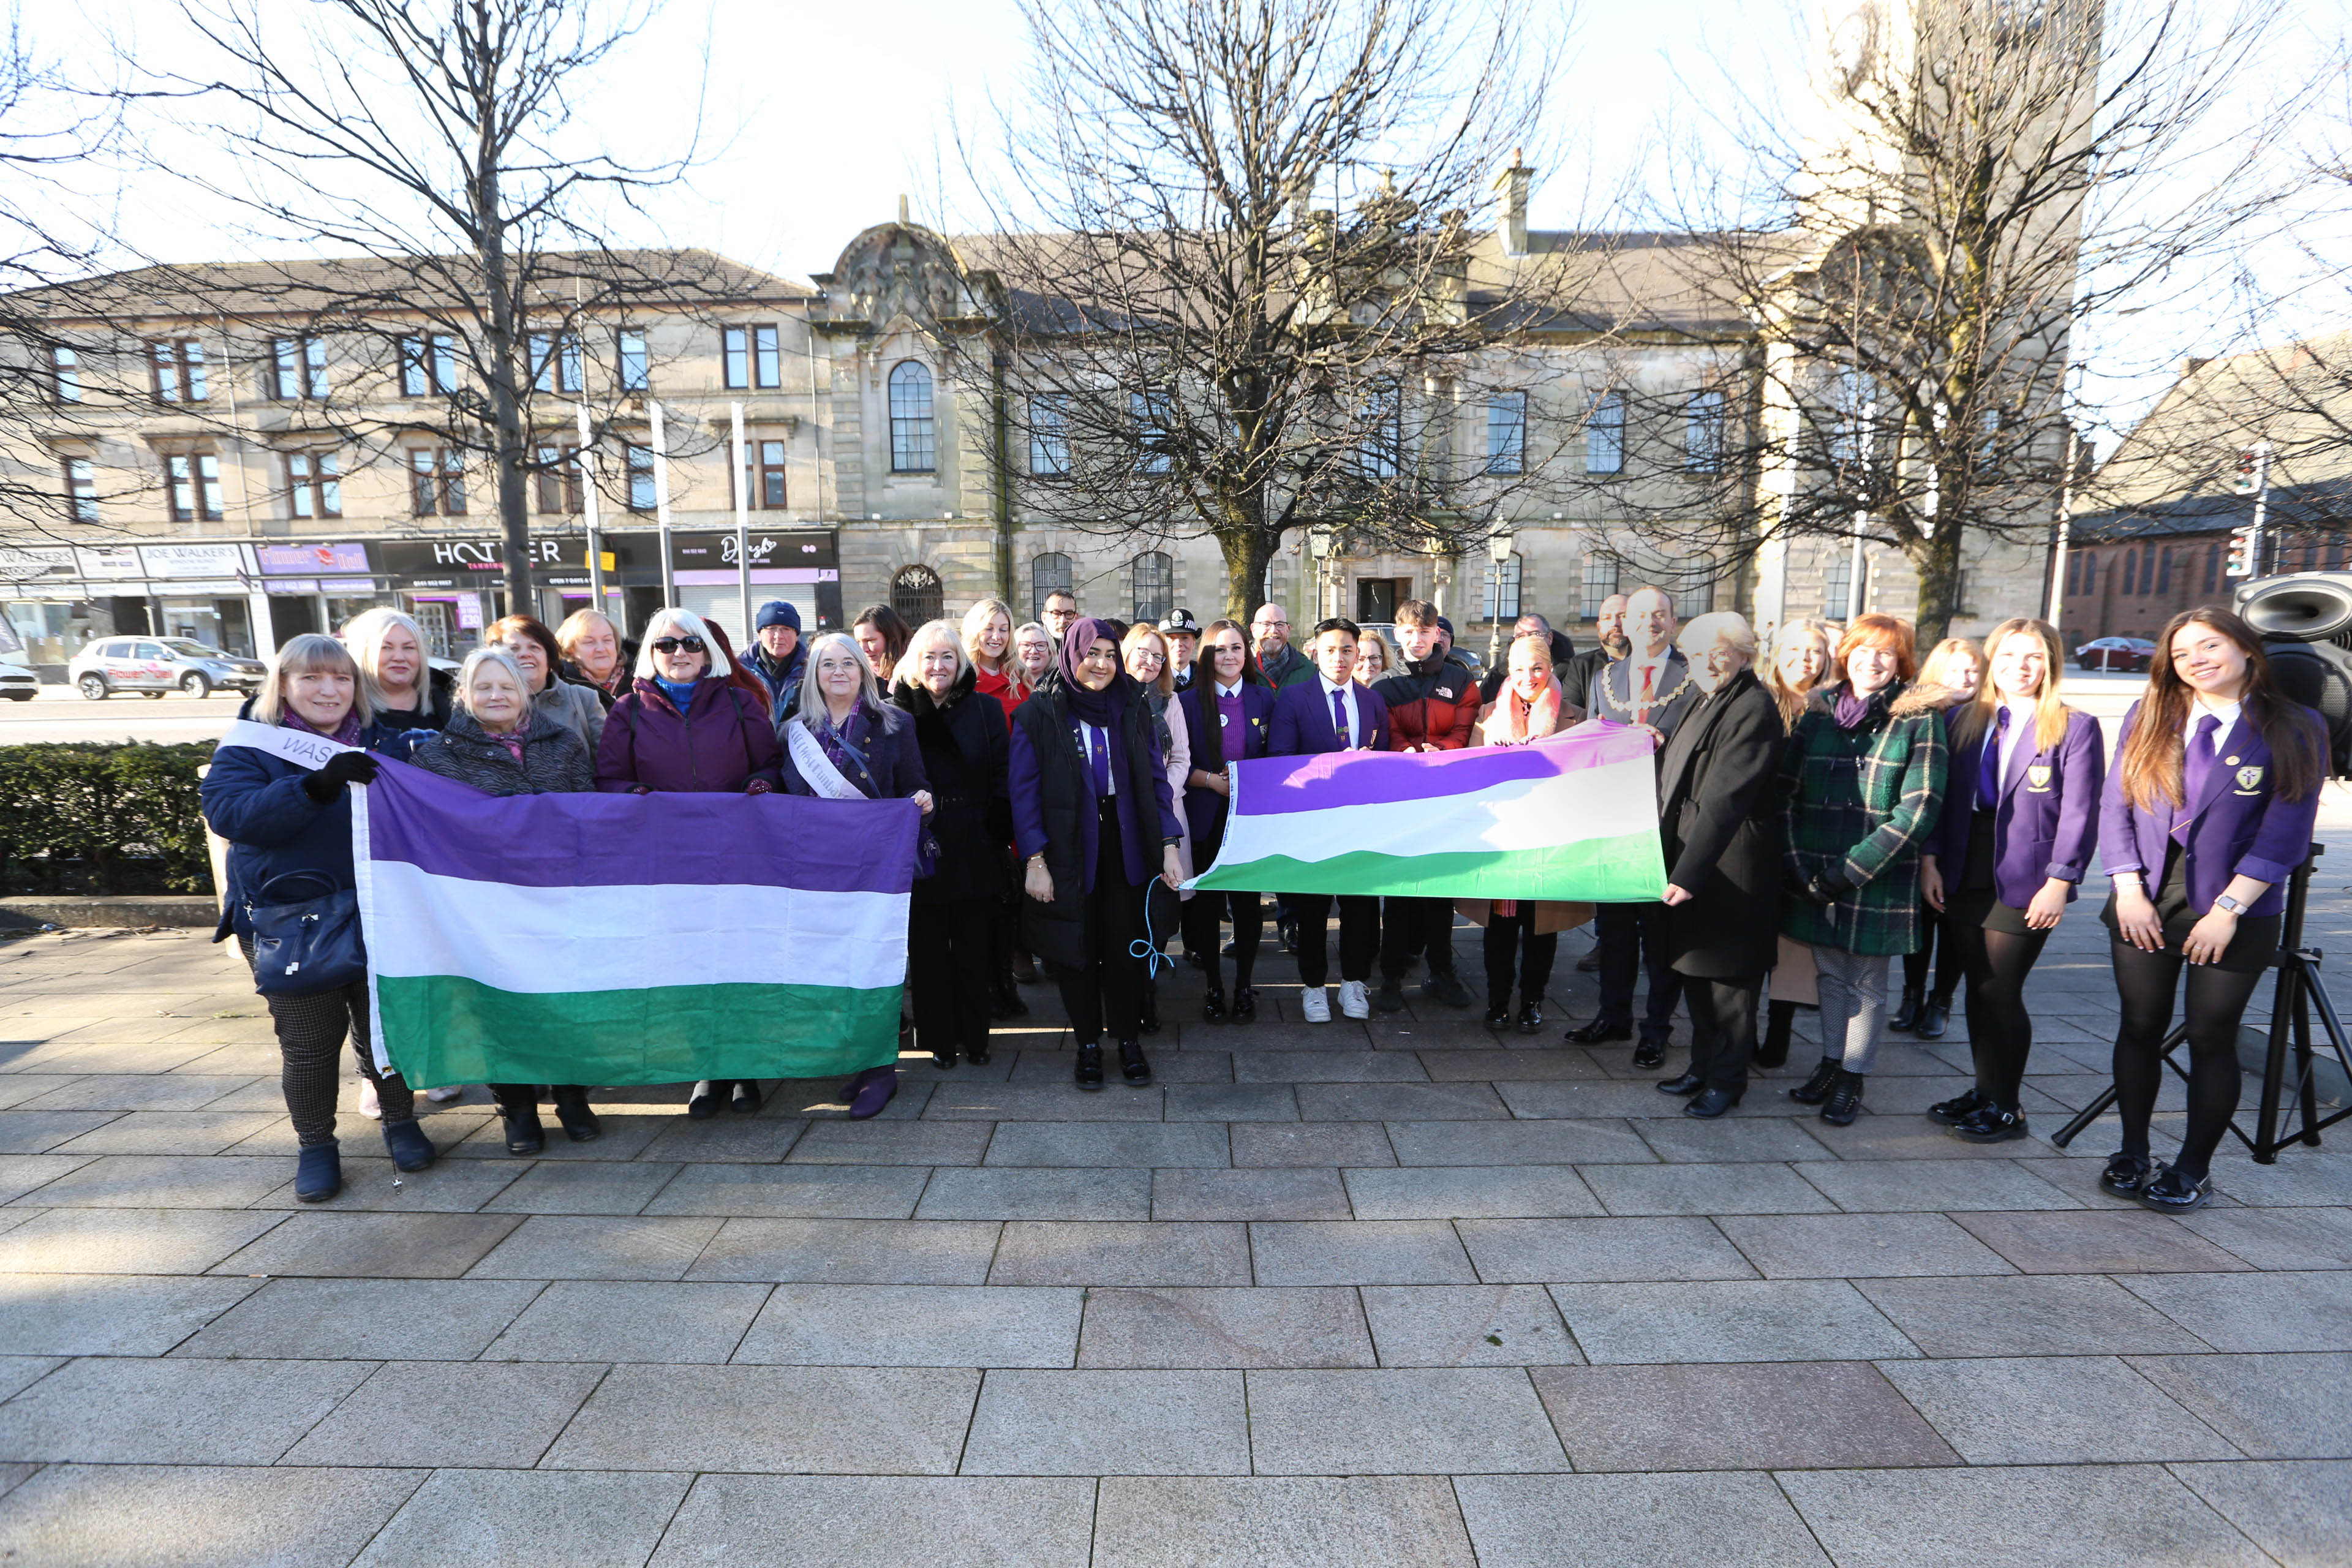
(1204, 809)
(2239, 828)
(2045, 821)
(1302, 723)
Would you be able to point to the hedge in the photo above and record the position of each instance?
(102, 817)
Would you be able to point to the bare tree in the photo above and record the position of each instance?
(1919, 253)
(441, 142)
(1236, 276)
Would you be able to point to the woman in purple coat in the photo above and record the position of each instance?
(2021, 819)
(2207, 815)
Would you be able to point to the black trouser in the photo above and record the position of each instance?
(1107, 988)
(1359, 936)
(1409, 926)
(2001, 1030)
(1202, 913)
(951, 954)
(1511, 937)
(1633, 940)
(1950, 962)
(1004, 929)
(1723, 1028)
(2145, 982)
(310, 1034)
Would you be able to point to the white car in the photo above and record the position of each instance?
(157, 664)
(17, 683)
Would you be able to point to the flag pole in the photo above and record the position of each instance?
(586, 458)
(742, 525)
(661, 505)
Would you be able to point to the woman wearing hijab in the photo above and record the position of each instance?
(1521, 933)
(1094, 820)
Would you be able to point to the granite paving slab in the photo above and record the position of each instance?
(1765, 1415)
(127, 1241)
(2053, 1410)
(1470, 1191)
(1359, 1252)
(1593, 1142)
(2098, 1241)
(373, 1245)
(198, 1516)
(1466, 1325)
(855, 1521)
(2282, 1406)
(1111, 1193)
(1159, 1252)
(115, 1410)
(630, 1320)
(2284, 1311)
(108, 1314)
(469, 1416)
(1555, 1521)
(1366, 1521)
(1460, 1421)
(915, 1325)
(1858, 1246)
(850, 1252)
(1728, 1320)
(1261, 1327)
(1100, 1423)
(2294, 1511)
(1326, 1143)
(604, 1520)
(600, 1247)
(395, 1319)
(2026, 1315)
(1545, 1251)
(897, 1421)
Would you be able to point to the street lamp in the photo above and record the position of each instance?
(1498, 551)
(1320, 538)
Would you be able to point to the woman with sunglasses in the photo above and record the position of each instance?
(685, 726)
(2205, 817)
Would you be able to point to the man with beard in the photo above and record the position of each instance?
(776, 656)
(1432, 702)
(1281, 664)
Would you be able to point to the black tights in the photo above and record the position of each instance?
(2217, 1001)
(2001, 1030)
(1947, 962)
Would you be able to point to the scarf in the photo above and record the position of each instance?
(346, 733)
(679, 692)
(1515, 721)
(1105, 708)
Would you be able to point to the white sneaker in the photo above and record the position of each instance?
(1353, 1002)
(445, 1093)
(1313, 1005)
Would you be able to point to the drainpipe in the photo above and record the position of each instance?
(999, 363)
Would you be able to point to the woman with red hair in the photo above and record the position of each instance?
(1864, 782)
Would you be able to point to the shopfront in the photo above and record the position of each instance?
(800, 565)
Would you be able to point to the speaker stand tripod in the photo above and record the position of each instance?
(2299, 992)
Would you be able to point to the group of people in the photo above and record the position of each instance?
(1071, 775)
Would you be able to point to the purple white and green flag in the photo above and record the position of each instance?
(1572, 817)
(623, 939)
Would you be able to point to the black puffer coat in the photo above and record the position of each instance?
(964, 743)
(555, 760)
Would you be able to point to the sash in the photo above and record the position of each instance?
(817, 768)
(297, 746)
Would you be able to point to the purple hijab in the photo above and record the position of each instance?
(1107, 706)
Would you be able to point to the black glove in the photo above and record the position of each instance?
(1828, 887)
(343, 768)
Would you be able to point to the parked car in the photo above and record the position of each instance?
(2116, 653)
(18, 683)
(157, 664)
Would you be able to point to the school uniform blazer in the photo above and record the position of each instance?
(2240, 827)
(1302, 723)
(1204, 809)
(2045, 820)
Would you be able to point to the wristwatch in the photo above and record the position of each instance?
(2229, 905)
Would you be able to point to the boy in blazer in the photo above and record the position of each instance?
(1332, 712)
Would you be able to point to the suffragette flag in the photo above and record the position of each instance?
(624, 939)
(1572, 816)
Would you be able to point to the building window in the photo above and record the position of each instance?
(2131, 568)
(641, 480)
(2164, 570)
(1696, 599)
(298, 369)
(2091, 574)
(1149, 411)
(1600, 584)
(763, 475)
(1702, 432)
(911, 420)
(177, 366)
(2073, 570)
(750, 356)
(1155, 586)
(1048, 574)
(1506, 434)
(557, 364)
(1605, 435)
(436, 482)
(1049, 434)
(64, 374)
(428, 366)
(314, 485)
(1837, 585)
(81, 489)
(1503, 589)
(2213, 569)
(1380, 454)
(918, 595)
(195, 487)
(558, 478)
(635, 370)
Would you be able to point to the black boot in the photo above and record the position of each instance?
(523, 1133)
(1212, 1006)
(1816, 1089)
(1531, 1018)
(746, 1100)
(703, 1103)
(1845, 1100)
(1933, 1016)
(1498, 1012)
(944, 1058)
(1088, 1072)
(1773, 1050)
(571, 1109)
(1133, 1064)
(1906, 1017)
(1245, 1009)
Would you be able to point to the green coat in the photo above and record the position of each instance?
(1861, 802)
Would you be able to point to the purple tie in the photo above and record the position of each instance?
(1339, 717)
(1098, 753)
(1988, 769)
(2197, 768)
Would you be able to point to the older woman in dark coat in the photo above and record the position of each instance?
(1719, 824)
(502, 743)
(1095, 820)
(961, 734)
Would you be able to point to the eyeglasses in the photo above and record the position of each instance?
(672, 645)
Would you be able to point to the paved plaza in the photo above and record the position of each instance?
(1402, 1292)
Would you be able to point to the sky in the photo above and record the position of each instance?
(813, 120)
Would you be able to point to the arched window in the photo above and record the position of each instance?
(2131, 569)
(2090, 573)
(1155, 586)
(1048, 573)
(912, 444)
(916, 595)
(1503, 590)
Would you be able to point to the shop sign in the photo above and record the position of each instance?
(775, 555)
(424, 564)
(194, 561)
(28, 563)
(286, 560)
(176, 591)
(108, 563)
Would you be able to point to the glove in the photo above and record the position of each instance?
(759, 786)
(1828, 887)
(641, 789)
(343, 768)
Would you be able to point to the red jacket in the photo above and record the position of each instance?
(1438, 708)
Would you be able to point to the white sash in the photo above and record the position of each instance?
(297, 746)
(817, 768)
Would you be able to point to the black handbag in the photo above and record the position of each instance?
(302, 947)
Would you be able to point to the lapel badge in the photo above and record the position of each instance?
(2037, 776)
(2250, 778)
(2232, 762)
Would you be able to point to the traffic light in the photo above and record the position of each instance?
(2242, 551)
(2246, 482)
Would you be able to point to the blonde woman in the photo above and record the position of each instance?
(1144, 655)
(1802, 658)
(404, 689)
(988, 643)
(1375, 657)
(1950, 678)
(1521, 934)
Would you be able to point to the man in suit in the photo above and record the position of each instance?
(1651, 686)
(1331, 712)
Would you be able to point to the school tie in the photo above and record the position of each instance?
(2196, 770)
(1098, 754)
(1989, 766)
(1339, 717)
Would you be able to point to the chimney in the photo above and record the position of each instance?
(1511, 206)
(903, 219)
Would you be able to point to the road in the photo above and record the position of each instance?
(61, 713)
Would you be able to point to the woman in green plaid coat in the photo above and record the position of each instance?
(1864, 782)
